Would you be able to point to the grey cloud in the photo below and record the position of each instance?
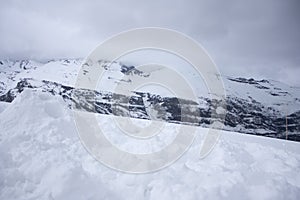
(246, 38)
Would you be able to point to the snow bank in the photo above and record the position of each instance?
(42, 158)
(3, 106)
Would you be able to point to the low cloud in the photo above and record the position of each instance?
(245, 38)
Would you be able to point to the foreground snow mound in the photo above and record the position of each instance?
(42, 158)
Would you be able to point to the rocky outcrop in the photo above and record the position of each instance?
(242, 115)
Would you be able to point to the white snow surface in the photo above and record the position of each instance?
(43, 158)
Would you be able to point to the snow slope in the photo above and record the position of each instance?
(42, 158)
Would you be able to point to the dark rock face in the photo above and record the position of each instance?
(128, 70)
(251, 81)
(242, 115)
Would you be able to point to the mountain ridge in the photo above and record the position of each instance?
(253, 106)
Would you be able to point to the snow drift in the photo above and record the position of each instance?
(42, 158)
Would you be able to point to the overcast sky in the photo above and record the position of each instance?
(245, 38)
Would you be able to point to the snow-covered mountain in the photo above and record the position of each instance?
(42, 157)
(260, 107)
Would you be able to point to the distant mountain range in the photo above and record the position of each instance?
(259, 107)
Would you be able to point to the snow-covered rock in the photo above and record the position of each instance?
(260, 107)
